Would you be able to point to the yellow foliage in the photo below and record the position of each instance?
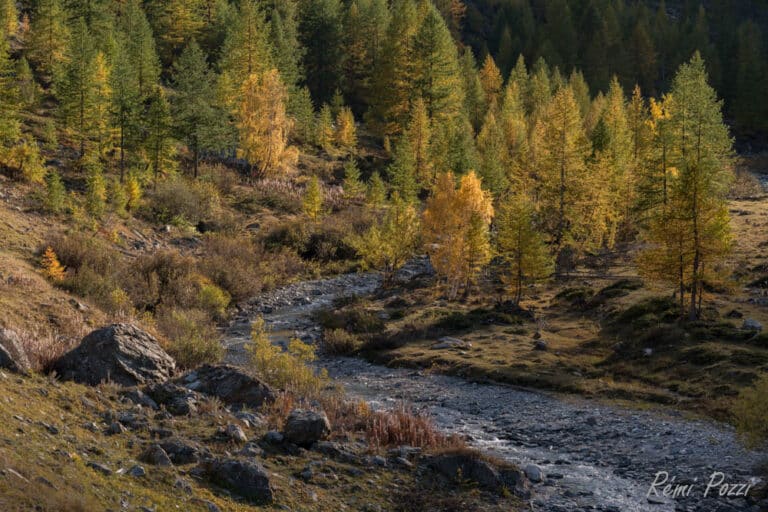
(263, 124)
(491, 80)
(133, 191)
(52, 269)
(286, 369)
(455, 229)
(346, 133)
(313, 199)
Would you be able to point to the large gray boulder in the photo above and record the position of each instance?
(120, 353)
(472, 466)
(231, 385)
(12, 354)
(244, 478)
(305, 428)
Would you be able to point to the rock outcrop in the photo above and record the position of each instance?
(120, 353)
(230, 384)
(244, 478)
(472, 466)
(12, 354)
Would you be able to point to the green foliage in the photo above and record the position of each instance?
(95, 190)
(353, 187)
(377, 191)
(55, 193)
(193, 339)
(340, 342)
(313, 199)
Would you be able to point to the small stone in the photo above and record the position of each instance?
(155, 455)
(647, 352)
(137, 471)
(534, 473)
(236, 433)
(750, 324)
(540, 345)
(101, 468)
(404, 462)
(115, 428)
(378, 460)
(273, 437)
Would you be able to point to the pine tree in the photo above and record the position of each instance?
(438, 78)
(29, 90)
(390, 242)
(313, 199)
(179, 23)
(49, 36)
(10, 129)
(520, 245)
(157, 141)
(395, 74)
(140, 47)
(322, 37)
(263, 125)
(55, 193)
(100, 120)
(77, 87)
(197, 118)
(126, 108)
(514, 124)
(246, 51)
(301, 109)
(490, 77)
(287, 52)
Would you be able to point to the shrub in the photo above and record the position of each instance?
(234, 264)
(750, 412)
(285, 369)
(182, 201)
(213, 299)
(340, 342)
(95, 190)
(402, 426)
(55, 193)
(193, 339)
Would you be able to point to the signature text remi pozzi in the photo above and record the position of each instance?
(666, 486)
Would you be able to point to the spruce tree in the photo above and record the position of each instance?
(158, 124)
(287, 52)
(322, 37)
(126, 103)
(196, 117)
(49, 36)
(402, 171)
(10, 129)
(140, 47)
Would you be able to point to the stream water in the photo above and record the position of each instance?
(593, 456)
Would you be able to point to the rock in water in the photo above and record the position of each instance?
(231, 385)
(244, 478)
(12, 354)
(121, 353)
(306, 427)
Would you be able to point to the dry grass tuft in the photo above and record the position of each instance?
(403, 426)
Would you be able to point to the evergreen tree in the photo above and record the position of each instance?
(419, 134)
(402, 171)
(49, 37)
(346, 132)
(493, 150)
(95, 188)
(475, 101)
(313, 199)
(55, 193)
(10, 129)
(302, 111)
(287, 52)
(29, 90)
(750, 105)
(695, 225)
(324, 128)
(437, 79)
(140, 46)
(246, 51)
(353, 186)
(158, 136)
(77, 87)
(322, 36)
(513, 122)
(126, 103)
(179, 23)
(377, 191)
(195, 113)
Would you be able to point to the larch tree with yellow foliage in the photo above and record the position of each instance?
(52, 268)
(492, 82)
(391, 241)
(263, 125)
(346, 132)
(520, 245)
(455, 230)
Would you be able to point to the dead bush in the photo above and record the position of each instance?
(340, 342)
(402, 426)
(182, 201)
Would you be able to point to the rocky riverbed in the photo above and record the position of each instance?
(586, 455)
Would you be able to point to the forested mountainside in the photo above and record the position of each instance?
(642, 42)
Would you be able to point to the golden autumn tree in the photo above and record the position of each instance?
(263, 125)
(491, 80)
(52, 268)
(391, 241)
(455, 230)
(346, 132)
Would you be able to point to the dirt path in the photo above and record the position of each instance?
(593, 456)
